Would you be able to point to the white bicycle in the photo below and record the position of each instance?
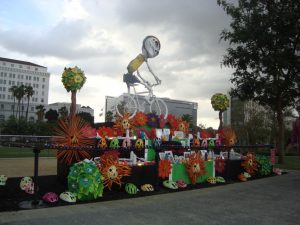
(138, 102)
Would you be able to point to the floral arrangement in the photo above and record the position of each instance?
(113, 171)
(105, 132)
(73, 78)
(84, 180)
(73, 133)
(250, 163)
(164, 168)
(264, 165)
(195, 167)
(219, 165)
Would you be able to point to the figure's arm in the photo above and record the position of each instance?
(135, 63)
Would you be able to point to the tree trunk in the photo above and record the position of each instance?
(221, 120)
(280, 146)
(27, 109)
(73, 104)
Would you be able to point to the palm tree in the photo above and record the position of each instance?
(19, 96)
(13, 90)
(40, 112)
(29, 93)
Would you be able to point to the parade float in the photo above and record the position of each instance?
(143, 153)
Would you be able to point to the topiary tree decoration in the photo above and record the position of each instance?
(220, 103)
(73, 79)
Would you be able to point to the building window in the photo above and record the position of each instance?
(4, 88)
(4, 81)
(14, 75)
(22, 77)
(44, 79)
(20, 66)
(43, 86)
(0, 88)
(12, 65)
(36, 69)
(2, 106)
(10, 75)
(28, 67)
(38, 79)
(42, 100)
(2, 118)
(12, 107)
(29, 77)
(32, 109)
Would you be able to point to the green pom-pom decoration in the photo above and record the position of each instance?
(219, 102)
(265, 166)
(84, 180)
(73, 78)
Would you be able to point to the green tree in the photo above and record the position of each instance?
(51, 115)
(63, 112)
(264, 51)
(109, 116)
(13, 90)
(28, 91)
(87, 117)
(40, 112)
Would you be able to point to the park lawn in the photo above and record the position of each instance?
(19, 152)
(290, 163)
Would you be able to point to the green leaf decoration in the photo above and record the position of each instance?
(84, 180)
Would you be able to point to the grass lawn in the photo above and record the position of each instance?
(18, 152)
(290, 163)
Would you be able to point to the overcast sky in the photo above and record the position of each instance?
(103, 36)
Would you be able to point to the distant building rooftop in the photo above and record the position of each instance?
(20, 62)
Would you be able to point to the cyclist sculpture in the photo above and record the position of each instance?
(130, 102)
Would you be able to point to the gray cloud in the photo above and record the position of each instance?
(65, 40)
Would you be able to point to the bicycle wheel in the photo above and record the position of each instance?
(126, 103)
(159, 107)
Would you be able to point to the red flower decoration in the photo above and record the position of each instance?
(162, 121)
(140, 119)
(105, 132)
(205, 134)
(219, 165)
(172, 121)
(164, 168)
(250, 163)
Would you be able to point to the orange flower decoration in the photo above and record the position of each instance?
(183, 126)
(105, 132)
(219, 165)
(195, 167)
(72, 133)
(123, 123)
(164, 168)
(250, 163)
(140, 119)
(113, 171)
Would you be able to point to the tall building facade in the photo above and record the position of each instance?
(15, 73)
(175, 107)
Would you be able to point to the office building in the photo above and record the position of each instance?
(16, 73)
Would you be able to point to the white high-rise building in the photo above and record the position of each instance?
(15, 73)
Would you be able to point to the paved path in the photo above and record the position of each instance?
(269, 201)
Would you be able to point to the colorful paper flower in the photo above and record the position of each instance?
(152, 120)
(195, 167)
(162, 121)
(105, 132)
(164, 168)
(73, 78)
(250, 163)
(264, 165)
(219, 102)
(140, 119)
(172, 121)
(72, 133)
